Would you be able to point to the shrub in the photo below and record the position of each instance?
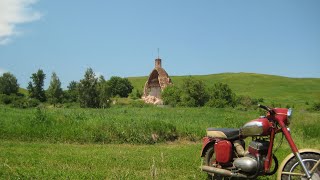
(9, 99)
(26, 103)
(221, 96)
(171, 96)
(316, 106)
(138, 104)
(217, 103)
(194, 93)
(137, 94)
(5, 99)
(33, 103)
(247, 102)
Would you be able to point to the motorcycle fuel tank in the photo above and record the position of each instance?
(257, 127)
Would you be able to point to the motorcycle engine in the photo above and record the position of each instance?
(249, 163)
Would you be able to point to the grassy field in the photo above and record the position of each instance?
(131, 125)
(72, 161)
(132, 142)
(38, 160)
(113, 143)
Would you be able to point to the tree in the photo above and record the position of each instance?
(194, 93)
(55, 92)
(88, 90)
(221, 96)
(104, 93)
(120, 86)
(35, 87)
(73, 92)
(8, 84)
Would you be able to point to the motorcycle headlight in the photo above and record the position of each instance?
(289, 113)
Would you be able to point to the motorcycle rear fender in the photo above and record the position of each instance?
(290, 156)
(206, 143)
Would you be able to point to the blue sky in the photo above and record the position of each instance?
(121, 37)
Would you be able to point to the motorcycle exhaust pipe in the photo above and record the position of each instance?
(222, 172)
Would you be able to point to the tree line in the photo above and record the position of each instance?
(89, 92)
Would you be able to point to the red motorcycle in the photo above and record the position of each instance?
(224, 154)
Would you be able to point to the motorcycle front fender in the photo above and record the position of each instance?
(290, 156)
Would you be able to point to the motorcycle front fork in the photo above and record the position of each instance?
(297, 154)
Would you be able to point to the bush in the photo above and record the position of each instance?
(171, 96)
(316, 106)
(26, 103)
(194, 93)
(217, 103)
(247, 102)
(9, 99)
(221, 96)
(139, 104)
(137, 94)
(5, 99)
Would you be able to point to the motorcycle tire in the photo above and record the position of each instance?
(309, 159)
(207, 160)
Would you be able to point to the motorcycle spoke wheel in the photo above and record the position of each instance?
(293, 166)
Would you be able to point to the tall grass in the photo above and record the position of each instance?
(146, 125)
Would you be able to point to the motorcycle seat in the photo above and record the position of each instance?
(223, 133)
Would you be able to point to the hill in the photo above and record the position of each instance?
(273, 89)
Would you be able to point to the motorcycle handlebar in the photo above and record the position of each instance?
(266, 108)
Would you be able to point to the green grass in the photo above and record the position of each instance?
(36, 145)
(131, 125)
(79, 143)
(38, 160)
(72, 161)
(274, 89)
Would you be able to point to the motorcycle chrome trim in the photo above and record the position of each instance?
(303, 165)
(223, 172)
(293, 174)
(252, 128)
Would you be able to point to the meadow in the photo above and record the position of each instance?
(122, 142)
(143, 142)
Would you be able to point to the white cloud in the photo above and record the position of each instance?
(13, 12)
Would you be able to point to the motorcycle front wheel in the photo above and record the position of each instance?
(293, 170)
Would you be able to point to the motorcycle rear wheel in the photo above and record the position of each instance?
(293, 166)
(207, 160)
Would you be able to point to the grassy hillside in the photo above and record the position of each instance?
(23, 91)
(273, 89)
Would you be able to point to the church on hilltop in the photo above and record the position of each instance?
(157, 81)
